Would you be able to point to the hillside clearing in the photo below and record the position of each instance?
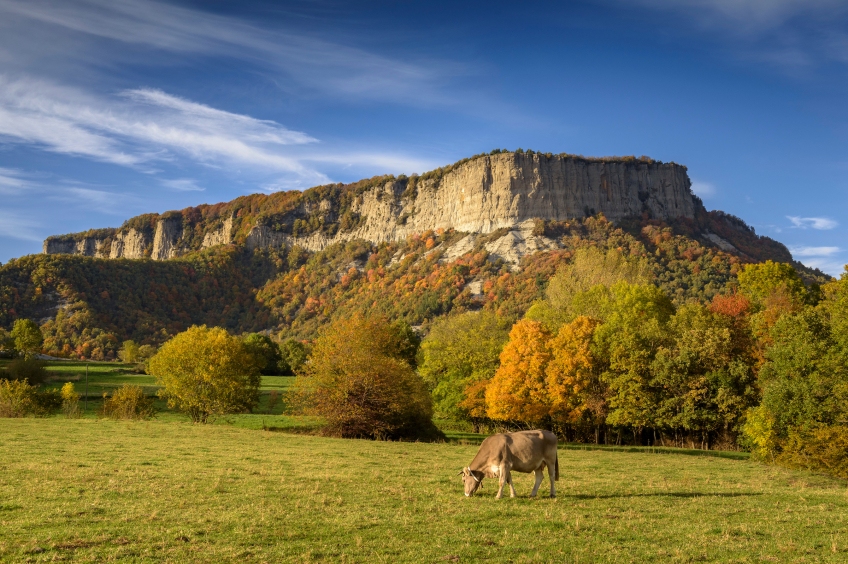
(95, 490)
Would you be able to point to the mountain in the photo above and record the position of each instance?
(486, 232)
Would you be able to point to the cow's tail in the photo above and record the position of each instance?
(556, 466)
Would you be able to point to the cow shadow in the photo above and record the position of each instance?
(685, 495)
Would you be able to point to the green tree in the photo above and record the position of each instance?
(589, 268)
(293, 355)
(265, 350)
(360, 381)
(459, 352)
(770, 283)
(207, 372)
(129, 352)
(28, 338)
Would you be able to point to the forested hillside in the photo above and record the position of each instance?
(88, 306)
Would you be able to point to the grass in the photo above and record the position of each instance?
(93, 490)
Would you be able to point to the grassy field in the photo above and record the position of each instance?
(166, 491)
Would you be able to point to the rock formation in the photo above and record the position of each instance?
(479, 195)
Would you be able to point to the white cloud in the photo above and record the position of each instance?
(11, 181)
(822, 223)
(703, 190)
(308, 61)
(814, 251)
(16, 227)
(183, 185)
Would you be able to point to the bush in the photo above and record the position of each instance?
(127, 402)
(27, 369)
(823, 448)
(207, 372)
(70, 401)
(17, 398)
(360, 381)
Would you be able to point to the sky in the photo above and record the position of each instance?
(112, 108)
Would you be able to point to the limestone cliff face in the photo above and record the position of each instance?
(129, 243)
(92, 244)
(480, 195)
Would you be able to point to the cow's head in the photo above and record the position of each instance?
(472, 479)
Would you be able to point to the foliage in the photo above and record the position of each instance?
(769, 282)
(265, 351)
(459, 352)
(360, 381)
(129, 352)
(518, 390)
(207, 372)
(127, 402)
(17, 398)
(70, 401)
(28, 338)
(293, 354)
(27, 369)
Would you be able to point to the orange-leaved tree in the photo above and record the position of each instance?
(518, 390)
(577, 393)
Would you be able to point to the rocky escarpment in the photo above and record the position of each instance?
(502, 190)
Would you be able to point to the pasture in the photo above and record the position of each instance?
(93, 490)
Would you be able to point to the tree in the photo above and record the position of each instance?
(28, 338)
(577, 393)
(360, 381)
(518, 391)
(129, 352)
(207, 372)
(589, 268)
(459, 352)
(770, 283)
(265, 350)
(293, 355)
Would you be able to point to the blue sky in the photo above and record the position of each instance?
(111, 108)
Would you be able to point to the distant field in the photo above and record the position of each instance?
(167, 491)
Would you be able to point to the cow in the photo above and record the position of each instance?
(523, 451)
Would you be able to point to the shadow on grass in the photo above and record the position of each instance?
(685, 495)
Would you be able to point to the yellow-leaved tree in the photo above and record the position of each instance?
(207, 372)
(518, 390)
(577, 393)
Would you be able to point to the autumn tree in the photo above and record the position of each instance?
(129, 352)
(518, 390)
(459, 352)
(206, 372)
(360, 380)
(27, 337)
(293, 355)
(577, 393)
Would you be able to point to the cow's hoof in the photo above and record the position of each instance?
(553, 497)
(532, 495)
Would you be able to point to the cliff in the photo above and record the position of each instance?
(477, 195)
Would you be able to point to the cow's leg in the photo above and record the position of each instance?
(509, 481)
(501, 483)
(551, 476)
(540, 475)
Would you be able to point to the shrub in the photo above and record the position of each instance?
(17, 398)
(360, 381)
(70, 401)
(127, 402)
(821, 448)
(27, 369)
(207, 372)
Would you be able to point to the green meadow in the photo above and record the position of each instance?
(94, 490)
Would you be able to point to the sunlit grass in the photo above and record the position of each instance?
(95, 490)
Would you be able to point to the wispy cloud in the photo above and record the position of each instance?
(822, 223)
(13, 225)
(308, 61)
(183, 185)
(12, 181)
(704, 190)
(814, 251)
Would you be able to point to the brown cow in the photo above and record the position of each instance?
(523, 451)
